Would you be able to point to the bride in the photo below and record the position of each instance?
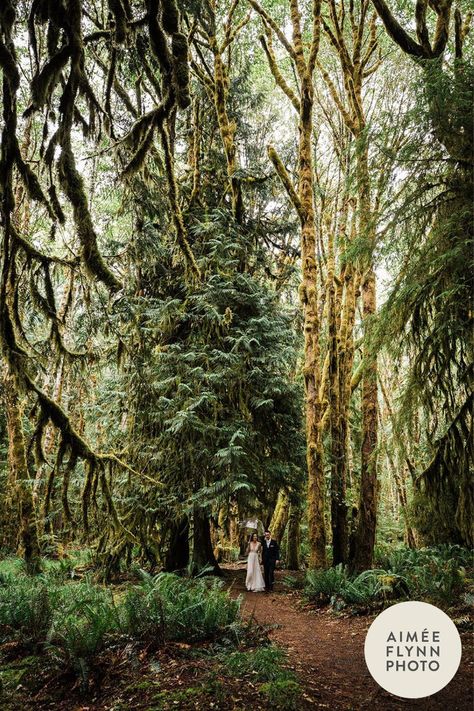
(254, 581)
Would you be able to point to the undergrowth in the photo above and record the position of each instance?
(72, 622)
(439, 575)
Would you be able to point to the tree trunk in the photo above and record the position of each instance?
(303, 201)
(177, 557)
(280, 516)
(293, 545)
(21, 478)
(202, 553)
(234, 525)
(309, 297)
(337, 428)
(367, 517)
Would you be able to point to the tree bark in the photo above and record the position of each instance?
(368, 498)
(177, 557)
(293, 544)
(201, 550)
(21, 477)
(337, 429)
(280, 516)
(303, 201)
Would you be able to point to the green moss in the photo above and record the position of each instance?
(12, 673)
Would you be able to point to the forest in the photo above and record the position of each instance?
(236, 283)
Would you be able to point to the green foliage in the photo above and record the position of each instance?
(167, 607)
(425, 323)
(142, 614)
(284, 694)
(25, 609)
(216, 407)
(322, 585)
(265, 663)
(371, 586)
(437, 574)
(83, 618)
(434, 574)
(74, 622)
(293, 582)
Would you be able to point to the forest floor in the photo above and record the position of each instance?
(325, 650)
(327, 653)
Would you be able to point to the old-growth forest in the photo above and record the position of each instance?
(235, 285)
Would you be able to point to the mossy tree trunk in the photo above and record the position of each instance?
(336, 424)
(280, 516)
(20, 477)
(355, 52)
(293, 540)
(303, 199)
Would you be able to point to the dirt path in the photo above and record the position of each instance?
(327, 653)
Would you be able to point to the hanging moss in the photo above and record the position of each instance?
(8, 65)
(179, 45)
(175, 207)
(89, 468)
(44, 83)
(73, 186)
(169, 16)
(55, 204)
(32, 184)
(68, 470)
(117, 10)
(158, 41)
(137, 161)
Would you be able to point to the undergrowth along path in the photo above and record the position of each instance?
(327, 653)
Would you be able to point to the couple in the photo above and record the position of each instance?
(269, 553)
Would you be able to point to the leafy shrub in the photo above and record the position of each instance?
(185, 609)
(293, 582)
(436, 574)
(323, 585)
(264, 662)
(142, 614)
(372, 585)
(84, 616)
(25, 609)
(284, 694)
(60, 570)
(226, 554)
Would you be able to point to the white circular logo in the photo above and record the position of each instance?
(413, 649)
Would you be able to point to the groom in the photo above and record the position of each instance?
(270, 557)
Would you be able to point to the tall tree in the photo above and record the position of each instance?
(303, 200)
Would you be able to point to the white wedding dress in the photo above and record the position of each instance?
(254, 581)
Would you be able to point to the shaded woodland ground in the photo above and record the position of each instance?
(290, 654)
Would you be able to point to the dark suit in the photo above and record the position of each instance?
(270, 555)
